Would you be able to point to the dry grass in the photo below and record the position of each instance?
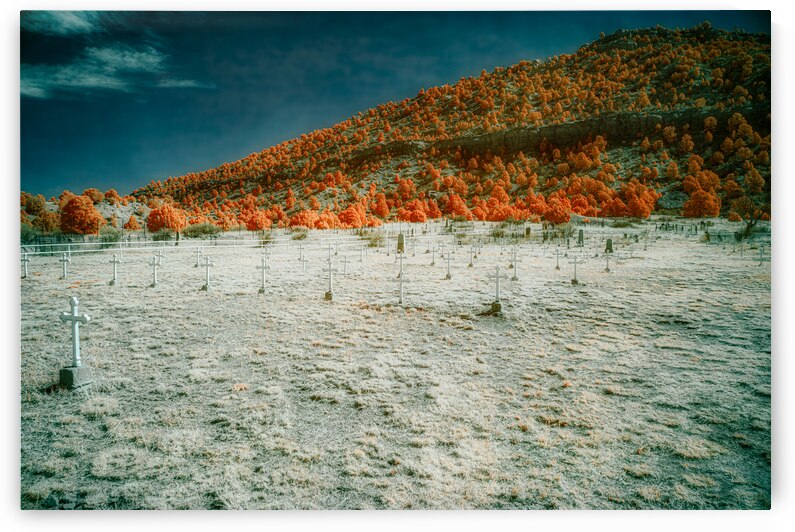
(644, 388)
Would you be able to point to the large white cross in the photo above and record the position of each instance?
(263, 266)
(497, 276)
(448, 259)
(155, 265)
(66, 259)
(25, 261)
(207, 265)
(114, 261)
(76, 319)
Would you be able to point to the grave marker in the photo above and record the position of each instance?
(607, 267)
(344, 261)
(576, 261)
(207, 265)
(513, 265)
(263, 266)
(329, 296)
(64, 260)
(433, 256)
(115, 262)
(471, 254)
(580, 238)
(25, 261)
(609, 246)
(448, 259)
(401, 244)
(557, 258)
(400, 280)
(496, 306)
(155, 265)
(198, 253)
(75, 375)
(303, 263)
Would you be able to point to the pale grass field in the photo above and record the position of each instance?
(648, 387)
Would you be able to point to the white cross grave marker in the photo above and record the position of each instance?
(155, 265)
(207, 265)
(433, 256)
(329, 296)
(557, 258)
(25, 261)
(471, 253)
(75, 319)
(303, 261)
(513, 266)
(575, 261)
(263, 266)
(160, 256)
(401, 279)
(448, 259)
(198, 254)
(496, 306)
(63, 260)
(344, 261)
(115, 262)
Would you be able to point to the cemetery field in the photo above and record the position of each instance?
(644, 387)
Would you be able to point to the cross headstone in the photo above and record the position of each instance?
(198, 254)
(609, 246)
(155, 265)
(115, 262)
(401, 244)
(575, 261)
(76, 374)
(401, 279)
(471, 255)
(263, 266)
(433, 256)
(513, 266)
(300, 252)
(160, 256)
(64, 260)
(25, 261)
(448, 259)
(207, 265)
(303, 263)
(607, 266)
(557, 258)
(496, 306)
(344, 261)
(329, 296)
(580, 238)
(361, 254)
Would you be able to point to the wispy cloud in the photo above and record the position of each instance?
(110, 68)
(172, 83)
(62, 23)
(114, 68)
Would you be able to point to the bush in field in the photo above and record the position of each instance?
(164, 234)
(28, 234)
(202, 230)
(109, 234)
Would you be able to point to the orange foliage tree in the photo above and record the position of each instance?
(79, 216)
(132, 224)
(702, 204)
(166, 217)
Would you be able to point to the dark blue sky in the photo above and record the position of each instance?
(116, 99)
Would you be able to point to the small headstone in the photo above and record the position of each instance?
(580, 238)
(198, 254)
(609, 246)
(401, 244)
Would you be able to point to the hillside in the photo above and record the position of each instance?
(638, 121)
